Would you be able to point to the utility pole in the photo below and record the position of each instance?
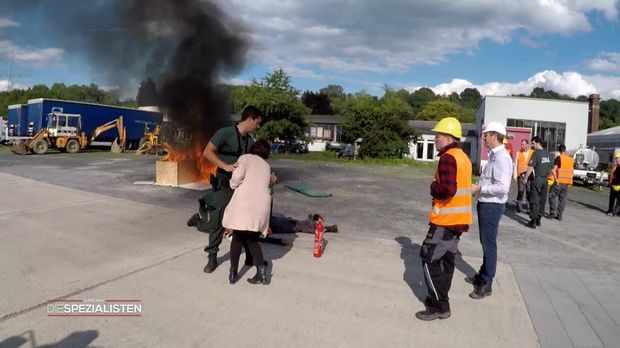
(10, 74)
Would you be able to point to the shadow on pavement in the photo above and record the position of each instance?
(588, 205)
(511, 213)
(77, 339)
(413, 275)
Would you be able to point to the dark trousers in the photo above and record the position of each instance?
(557, 199)
(614, 202)
(523, 190)
(538, 197)
(489, 215)
(438, 252)
(249, 240)
(214, 224)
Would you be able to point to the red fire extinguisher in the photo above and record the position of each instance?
(318, 237)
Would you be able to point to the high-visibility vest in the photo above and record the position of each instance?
(565, 171)
(457, 209)
(523, 160)
(612, 177)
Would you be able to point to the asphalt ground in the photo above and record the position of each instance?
(381, 212)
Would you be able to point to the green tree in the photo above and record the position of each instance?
(360, 113)
(277, 99)
(438, 109)
(471, 98)
(609, 114)
(337, 97)
(318, 103)
(419, 98)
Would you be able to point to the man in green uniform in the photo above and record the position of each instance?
(539, 166)
(223, 150)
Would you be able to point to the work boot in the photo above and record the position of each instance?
(531, 224)
(538, 223)
(260, 277)
(193, 221)
(428, 315)
(333, 229)
(558, 217)
(212, 264)
(481, 291)
(475, 279)
(232, 276)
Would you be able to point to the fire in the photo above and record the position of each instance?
(194, 153)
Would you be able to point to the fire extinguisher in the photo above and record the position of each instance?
(318, 237)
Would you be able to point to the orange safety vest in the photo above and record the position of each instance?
(522, 161)
(457, 209)
(565, 171)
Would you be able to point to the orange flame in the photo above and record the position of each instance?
(194, 153)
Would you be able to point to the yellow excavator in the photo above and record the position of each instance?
(63, 132)
(150, 143)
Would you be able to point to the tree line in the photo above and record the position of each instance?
(382, 121)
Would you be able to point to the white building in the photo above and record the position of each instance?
(555, 121)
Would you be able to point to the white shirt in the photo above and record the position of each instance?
(496, 176)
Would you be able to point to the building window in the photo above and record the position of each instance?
(552, 133)
(420, 150)
(430, 151)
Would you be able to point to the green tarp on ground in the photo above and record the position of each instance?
(301, 188)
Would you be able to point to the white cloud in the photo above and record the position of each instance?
(605, 62)
(8, 50)
(4, 85)
(376, 36)
(570, 83)
(5, 23)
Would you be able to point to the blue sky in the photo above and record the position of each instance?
(499, 47)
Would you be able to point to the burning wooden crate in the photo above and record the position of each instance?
(175, 173)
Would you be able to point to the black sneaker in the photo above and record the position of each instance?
(193, 220)
(481, 291)
(428, 315)
(531, 224)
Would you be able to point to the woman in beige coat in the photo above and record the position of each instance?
(247, 214)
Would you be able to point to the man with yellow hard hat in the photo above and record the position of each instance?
(449, 217)
(614, 187)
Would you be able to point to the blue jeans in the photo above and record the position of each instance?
(489, 215)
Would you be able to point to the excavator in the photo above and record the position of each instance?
(150, 143)
(63, 132)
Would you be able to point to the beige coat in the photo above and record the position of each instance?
(250, 204)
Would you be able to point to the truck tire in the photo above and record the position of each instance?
(72, 146)
(39, 147)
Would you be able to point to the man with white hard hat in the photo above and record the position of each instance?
(492, 194)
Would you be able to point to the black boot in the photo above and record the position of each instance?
(481, 291)
(532, 224)
(212, 264)
(260, 277)
(232, 276)
(193, 221)
(332, 229)
(538, 223)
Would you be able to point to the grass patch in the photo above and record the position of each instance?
(330, 156)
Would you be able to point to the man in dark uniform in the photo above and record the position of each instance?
(223, 150)
(539, 166)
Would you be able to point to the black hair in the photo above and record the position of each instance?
(252, 112)
(562, 148)
(537, 140)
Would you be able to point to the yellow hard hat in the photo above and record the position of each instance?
(449, 125)
(505, 141)
(617, 155)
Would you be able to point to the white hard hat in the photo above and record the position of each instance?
(494, 127)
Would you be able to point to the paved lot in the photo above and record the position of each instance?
(77, 226)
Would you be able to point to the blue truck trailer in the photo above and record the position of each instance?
(17, 120)
(93, 115)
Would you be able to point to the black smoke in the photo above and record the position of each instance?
(184, 45)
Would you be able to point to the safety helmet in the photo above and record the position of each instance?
(505, 141)
(617, 155)
(494, 127)
(449, 125)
